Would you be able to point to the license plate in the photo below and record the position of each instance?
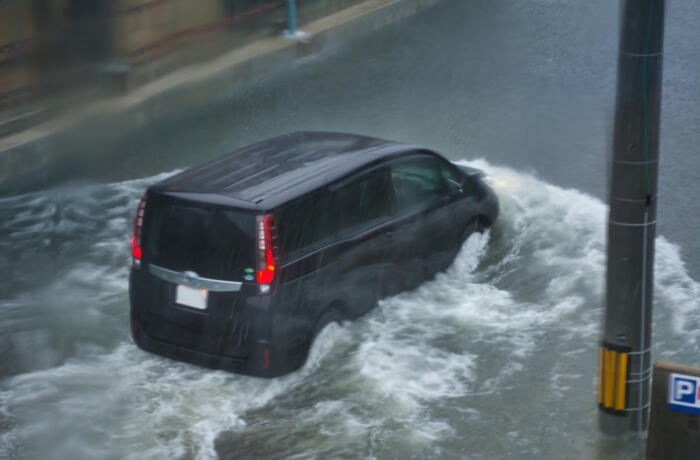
(191, 297)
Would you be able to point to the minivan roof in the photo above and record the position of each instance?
(272, 172)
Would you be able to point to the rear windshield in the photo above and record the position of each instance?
(215, 242)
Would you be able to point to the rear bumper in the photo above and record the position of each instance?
(254, 364)
(256, 353)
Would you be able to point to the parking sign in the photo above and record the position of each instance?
(684, 393)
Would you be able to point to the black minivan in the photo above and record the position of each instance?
(240, 262)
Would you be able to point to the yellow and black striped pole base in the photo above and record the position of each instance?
(613, 376)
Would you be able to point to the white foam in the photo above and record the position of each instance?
(676, 289)
(160, 409)
(553, 237)
(536, 276)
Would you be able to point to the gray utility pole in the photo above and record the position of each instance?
(624, 357)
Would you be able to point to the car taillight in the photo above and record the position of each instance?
(267, 252)
(136, 237)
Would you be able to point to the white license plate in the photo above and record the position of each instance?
(191, 297)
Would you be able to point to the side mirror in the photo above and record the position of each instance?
(455, 187)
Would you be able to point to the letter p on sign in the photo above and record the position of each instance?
(684, 393)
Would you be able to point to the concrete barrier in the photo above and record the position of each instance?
(674, 428)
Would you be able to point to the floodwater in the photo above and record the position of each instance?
(495, 358)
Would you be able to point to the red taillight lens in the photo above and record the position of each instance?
(136, 238)
(135, 248)
(267, 251)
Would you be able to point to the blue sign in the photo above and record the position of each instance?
(684, 393)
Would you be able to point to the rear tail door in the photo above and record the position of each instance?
(200, 259)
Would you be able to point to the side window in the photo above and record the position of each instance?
(362, 201)
(305, 223)
(417, 181)
(453, 179)
(316, 219)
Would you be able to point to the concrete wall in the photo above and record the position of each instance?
(17, 33)
(26, 155)
(58, 46)
(146, 29)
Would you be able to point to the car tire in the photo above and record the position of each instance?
(478, 224)
(328, 317)
(481, 224)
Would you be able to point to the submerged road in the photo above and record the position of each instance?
(494, 359)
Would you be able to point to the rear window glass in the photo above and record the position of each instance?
(214, 242)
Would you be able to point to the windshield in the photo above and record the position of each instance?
(212, 241)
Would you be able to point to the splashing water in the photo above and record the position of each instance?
(493, 357)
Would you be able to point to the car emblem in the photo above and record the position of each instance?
(190, 276)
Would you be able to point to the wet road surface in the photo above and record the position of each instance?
(496, 358)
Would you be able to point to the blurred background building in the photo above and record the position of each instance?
(55, 54)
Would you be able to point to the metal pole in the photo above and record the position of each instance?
(624, 357)
(291, 17)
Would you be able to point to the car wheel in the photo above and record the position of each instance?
(478, 224)
(481, 224)
(330, 316)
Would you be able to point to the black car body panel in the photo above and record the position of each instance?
(352, 218)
